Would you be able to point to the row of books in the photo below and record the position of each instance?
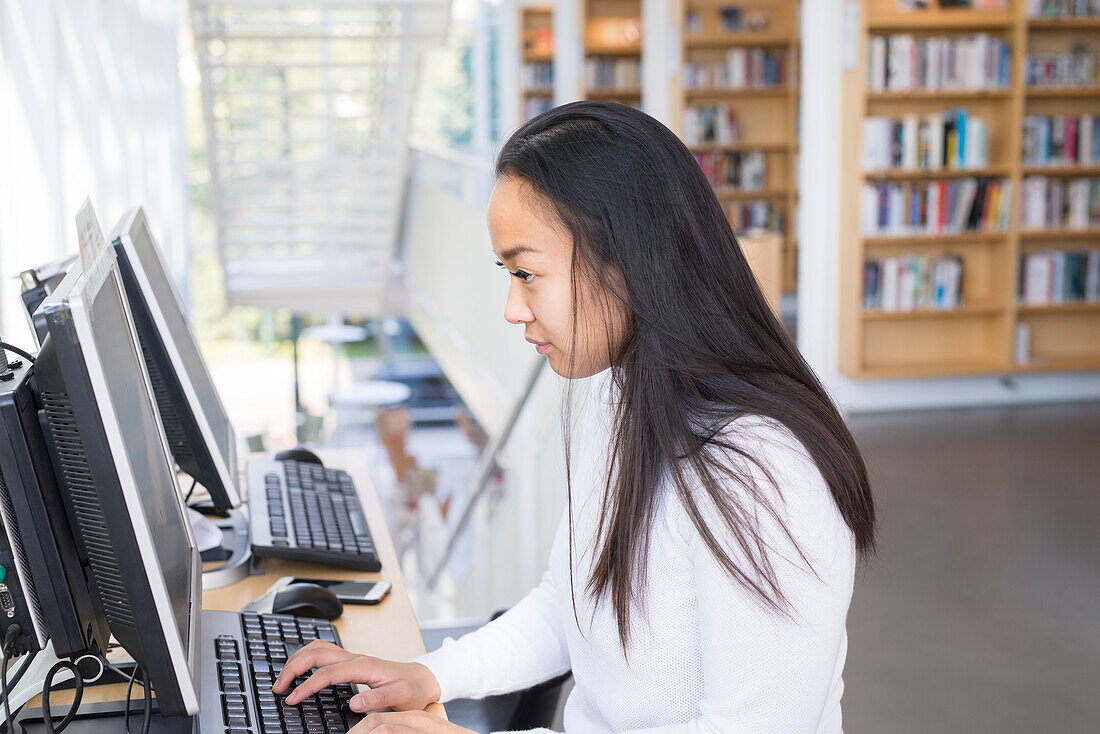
(536, 106)
(912, 282)
(949, 139)
(733, 169)
(1060, 140)
(710, 124)
(538, 74)
(935, 207)
(743, 68)
(731, 19)
(1057, 203)
(902, 62)
(1071, 68)
(1063, 8)
(612, 72)
(744, 215)
(1056, 276)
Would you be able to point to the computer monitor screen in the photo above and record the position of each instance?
(199, 432)
(124, 497)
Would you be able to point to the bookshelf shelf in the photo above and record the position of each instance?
(1086, 92)
(903, 174)
(614, 50)
(939, 94)
(741, 91)
(964, 238)
(890, 19)
(936, 369)
(984, 336)
(536, 30)
(744, 59)
(969, 311)
(736, 39)
(1063, 24)
(611, 69)
(1060, 234)
(1057, 309)
(728, 193)
(614, 94)
(1086, 364)
(1075, 170)
(777, 147)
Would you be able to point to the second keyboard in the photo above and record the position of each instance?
(306, 512)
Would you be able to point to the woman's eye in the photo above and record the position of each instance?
(523, 275)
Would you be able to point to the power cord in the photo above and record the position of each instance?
(191, 491)
(78, 693)
(25, 355)
(9, 638)
(147, 708)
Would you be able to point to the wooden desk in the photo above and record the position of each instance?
(388, 630)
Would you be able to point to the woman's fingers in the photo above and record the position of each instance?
(350, 671)
(391, 694)
(400, 722)
(316, 654)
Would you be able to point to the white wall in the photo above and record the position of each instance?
(89, 104)
(823, 42)
(455, 300)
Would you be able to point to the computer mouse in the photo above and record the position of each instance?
(307, 600)
(298, 454)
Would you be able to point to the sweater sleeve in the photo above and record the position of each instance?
(524, 646)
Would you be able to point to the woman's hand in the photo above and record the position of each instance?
(403, 686)
(403, 722)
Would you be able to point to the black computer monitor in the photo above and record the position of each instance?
(121, 492)
(200, 435)
(36, 284)
(45, 589)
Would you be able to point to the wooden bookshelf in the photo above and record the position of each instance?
(767, 116)
(536, 29)
(612, 36)
(979, 337)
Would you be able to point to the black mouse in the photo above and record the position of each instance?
(307, 600)
(298, 454)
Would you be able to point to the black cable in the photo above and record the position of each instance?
(147, 708)
(78, 693)
(13, 632)
(191, 491)
(25, 355)
(147, 711)
(24, 664)
(129, 691)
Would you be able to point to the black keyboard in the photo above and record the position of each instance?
(305, 512)
(248, 651)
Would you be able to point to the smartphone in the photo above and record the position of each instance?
(351, 592)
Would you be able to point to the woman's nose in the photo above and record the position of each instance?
(516, 308)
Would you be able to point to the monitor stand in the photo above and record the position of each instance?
(234, 563)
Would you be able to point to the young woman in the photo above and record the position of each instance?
(701, 574)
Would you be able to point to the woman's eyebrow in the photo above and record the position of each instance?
(517, 250)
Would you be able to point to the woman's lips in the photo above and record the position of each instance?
(542, 348)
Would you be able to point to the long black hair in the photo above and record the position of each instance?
(702, 346)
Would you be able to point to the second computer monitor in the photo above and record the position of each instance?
(122, 493)
(199, 432)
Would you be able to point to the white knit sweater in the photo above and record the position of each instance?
(705, 656)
